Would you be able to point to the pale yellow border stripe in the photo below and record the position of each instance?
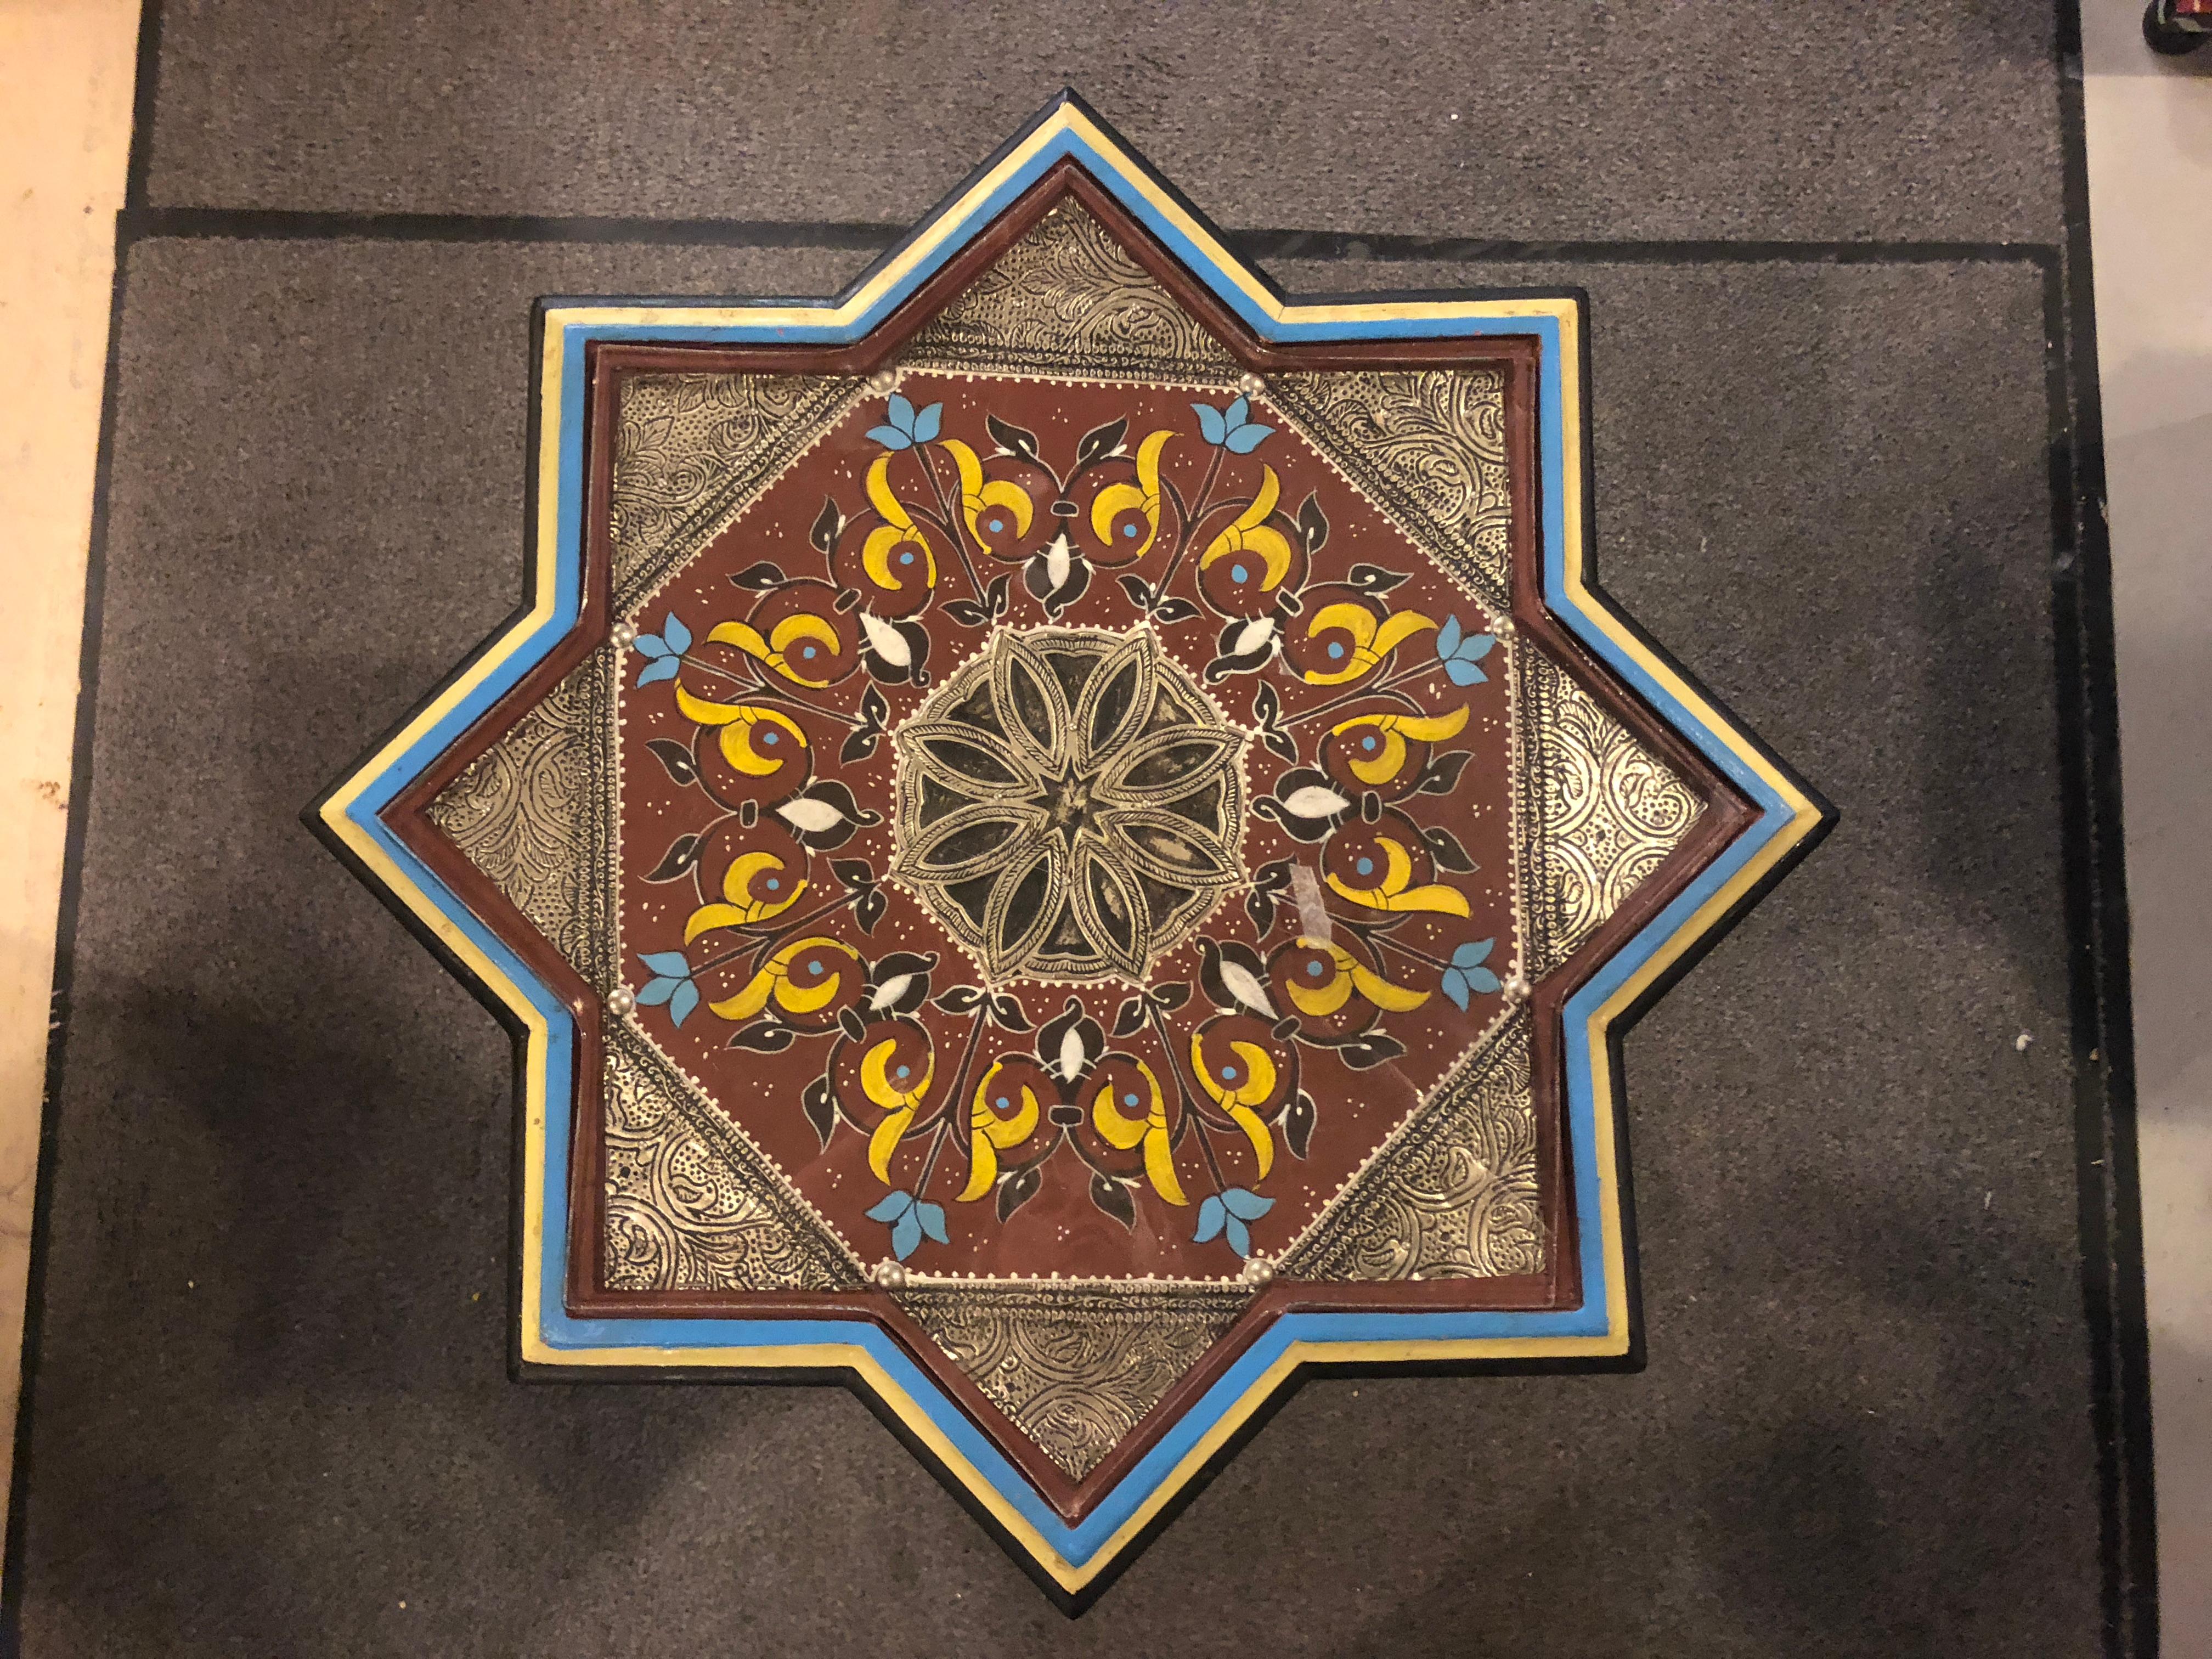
(536, 1351)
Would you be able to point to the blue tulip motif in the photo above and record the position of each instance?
(908, 427)
(1228, 428)
(666, 649)
(1466, 974)
(1224, 1214)
(1460, 651)
(670, 983)
(910, 1220)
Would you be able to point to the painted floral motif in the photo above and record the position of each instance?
(1052, 810)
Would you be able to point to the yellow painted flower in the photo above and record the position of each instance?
(775, 980)
(789, 647)
(755, 741)
(778, 894)
(1383, 738)
(1322, 999)
(1144, 495)
(996, 511)
(1394, 892)
(1252, 534)
(1237, 1088)
(1371, 641)
(991, 1134)
(895, 1087)
(1122, 1131)
(897, 541)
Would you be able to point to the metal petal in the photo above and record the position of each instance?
(1168, 847)
(1117, 699)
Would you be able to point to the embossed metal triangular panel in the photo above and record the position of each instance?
(1066, 836)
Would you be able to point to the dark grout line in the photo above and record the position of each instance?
(142, 223)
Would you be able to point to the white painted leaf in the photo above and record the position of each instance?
(810, 815)
(1057, 558)
(1252, 637)
(885, 641)
(1313, 801)
(1245, 988)
(1071, 1055)
(890, 991)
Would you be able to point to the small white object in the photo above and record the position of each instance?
(884, 382)
(621, 1000)
(1515, 989)
(2020, 1043)
(623, 635)
(890, 1274)
(1251, 385)
(1258, 1270)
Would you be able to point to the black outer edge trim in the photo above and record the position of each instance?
(145, 94)
(2108, 1176)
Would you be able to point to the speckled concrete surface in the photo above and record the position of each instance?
(272, 1406)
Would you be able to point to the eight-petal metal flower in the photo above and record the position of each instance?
(1069, 804)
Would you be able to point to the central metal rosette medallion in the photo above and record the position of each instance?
(1069, 803)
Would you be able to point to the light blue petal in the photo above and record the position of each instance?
(932, 1221)
(654, 992)
(685, 999)
(677, 635)
(890, 1207)
(1483, 980)
(672, 963)
(650, 645)
(901, 412)
(1211, 426)
(1455, 985)
(891, 437)
(665, 669)
(906, 1236)
(1246, 438)
(1463, 673)
(1474, 953)
(1234, 416)
(1476, 647)
(1239, 1240)
(925, 428)
(1447, 639)
(1250, 1206)
(1210, 1215)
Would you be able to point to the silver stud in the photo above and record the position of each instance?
(884, 382)
(1502, 627)
(1515, 989)
(621, 1000)
(1258, 1270)
(890, 1274)
(1250, 385)
(623, 635)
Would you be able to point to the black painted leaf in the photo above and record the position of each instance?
(1313, 523)
(820, 1100)
(1017, 1189)
(1441, 775)
(1267, 707)
(1174, 611)
(677, 758)
(1112, 1197)
(1298, 1124)
(829, 524)
(1261, 906)
(1173, 994)
(1373, 1049)
(1444, 849)
(1139, 591)
(1280, 742)
(859, 745)
(769, 1036)
(1129, 1018)
(1373, 579)
(683, 852)
(854, 873)
(1014, 440)
(960, 999)
(1100, 442)
(761, 578)
(967, 612)
(868, 909)
(875, 709)
(998, 593)
(1008, 1010)
(1273, 876)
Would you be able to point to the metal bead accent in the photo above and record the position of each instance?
(1258, 1271)
(623, 635)
(1502, 629)
(1516, 990)
(890, 1274)
(884, 382)
(621, 1000)
(1251, 385)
